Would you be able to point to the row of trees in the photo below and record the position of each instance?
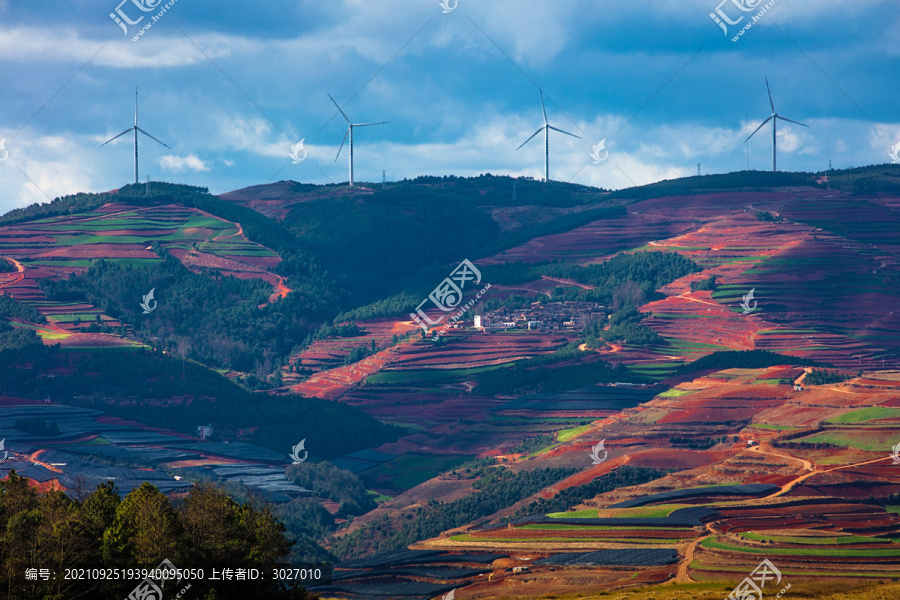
(495, 488)
(697, 443)
(628, 278)
(339, 485)
(625, 324)
(562, 501)
(746, 359)
(822, 377)
(97, 530)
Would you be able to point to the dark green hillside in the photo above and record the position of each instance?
(17, 338)
(206, 319)
(867, 180)
(625, 278)
(497, 190)
(728, 182)
(10, 308)
(402, 238)
(133, 384)
(381, 241)
(746, 359)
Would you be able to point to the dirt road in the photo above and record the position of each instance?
(683, 576)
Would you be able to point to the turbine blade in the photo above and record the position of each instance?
(757, 129)
(790, 120)
(339, 108)
(771, 103)
(342, 145)
(153, 138)
(117, 137)
(543, 107)
(367, 124)
(529, 139)
(561, 131)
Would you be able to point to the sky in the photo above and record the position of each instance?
(233, 86)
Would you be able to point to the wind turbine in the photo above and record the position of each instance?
(350, 127)
(135, 128)
(546, 127)
(774, 118)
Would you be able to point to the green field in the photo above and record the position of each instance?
(567, 434)
(589, 513)
(377, 497)
(648, 512)
(713, 544)
(869, 413)
(873, 441)
(674, 393)
(818, 541)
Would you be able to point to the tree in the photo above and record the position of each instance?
(145, 529)
(211, 526)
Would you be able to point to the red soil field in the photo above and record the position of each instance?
(470, 349)
(673, 458)
(537, 534)
(37, 241)
(724, 237)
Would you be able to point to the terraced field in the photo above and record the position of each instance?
(818, 271)
(807, 508)
(55, 247)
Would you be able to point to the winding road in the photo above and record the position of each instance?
(683, 576)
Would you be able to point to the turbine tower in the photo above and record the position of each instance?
(135, 128)
(546, 127)
(774, 118)
(350, 126)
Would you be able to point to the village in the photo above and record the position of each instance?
(543, 316)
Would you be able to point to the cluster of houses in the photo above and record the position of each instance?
(543, 316)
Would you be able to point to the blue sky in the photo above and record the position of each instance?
(231, 86)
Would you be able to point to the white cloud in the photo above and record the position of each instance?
(180, 164)
(64, 44)
(42, 168)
